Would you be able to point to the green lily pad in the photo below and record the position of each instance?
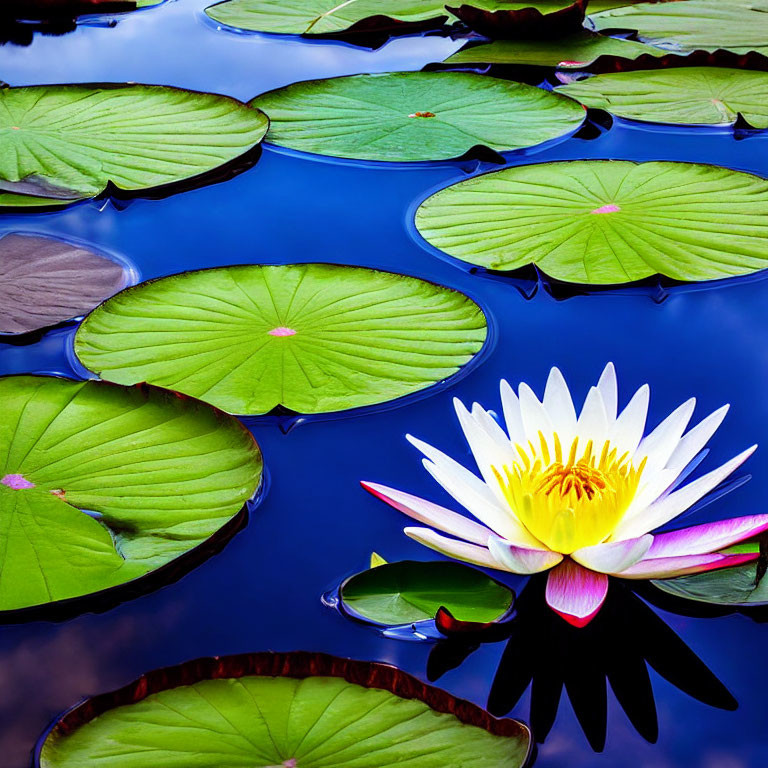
(414, 116)
(738, 586)
(409, 591)
(326, 17)
(44, 281)
(156, 474)
(736, 25)
(275, 710)
(68, 142)
(605, 222)
(690, 95)
(310, 337)
(572, 51)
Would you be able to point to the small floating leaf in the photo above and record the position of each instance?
(411, 591)
(311, 337)
(157, 474)
(736, 25)
(690, 95)
(323, 17)
(68, 142)
(276, 710)
(387, 117)
(45, 281)
(572, 51)
(605, 222)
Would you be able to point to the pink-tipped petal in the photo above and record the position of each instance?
(576, 593)
(431, 514)
(671, 567)
(459, 550)
(614, 556)
(706, 538)
(521, 560)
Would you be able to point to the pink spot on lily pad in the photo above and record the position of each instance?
(17, 482)
(290, 763)
(281, 330)
(610, 208)
(14, 127)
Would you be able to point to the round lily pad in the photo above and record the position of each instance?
(413, 116)
(690, 95)
(281, 710)
(605, 222)
(68, 142)
(326, 17)
(409, 591)
(102, 484)
(45, 281)
(736, 25)
(576, 50)
(310, 337)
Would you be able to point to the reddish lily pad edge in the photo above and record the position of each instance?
(296, 664)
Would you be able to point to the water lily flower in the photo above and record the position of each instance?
(577, 495)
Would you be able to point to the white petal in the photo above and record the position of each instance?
(674, 504)
(460, 550)
(593, 423)
(535, 418)
(613, 557)
(424, 511)
(609, 389)
(630, 424)
(659, 445)
(695, 439)
(559, 407)
(511, 407)
(520, 559)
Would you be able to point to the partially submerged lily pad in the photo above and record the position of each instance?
(736, 25)
(689, 95)
(44, 281)
(392, 594)
(414, 116)
(535, 18)
(326, 17)
(605, 222)
(103, 484)
(68, 142)
(310, 337)
(573, 51)
(745, 585)
(295, 710)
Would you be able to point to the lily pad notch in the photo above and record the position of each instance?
(297, 710)
(63, 143)
(415, 116)
(101, 485)
(312, 338)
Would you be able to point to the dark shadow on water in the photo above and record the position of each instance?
(618, 647)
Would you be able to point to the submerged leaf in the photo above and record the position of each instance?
(572, 51)
(45, 281)
(736, 25)
(604, 221)
(739, 586)
(411, 591)
(68, 142)
(157, 475)
(535, 18)
(311, 337)
(414, 116)
(275, 710)
(688, 95)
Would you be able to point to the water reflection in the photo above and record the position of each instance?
(548, 655)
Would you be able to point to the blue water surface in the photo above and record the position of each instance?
(316, 525)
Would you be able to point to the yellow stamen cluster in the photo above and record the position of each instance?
(569, 502)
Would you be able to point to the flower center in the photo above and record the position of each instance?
(569, 502)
